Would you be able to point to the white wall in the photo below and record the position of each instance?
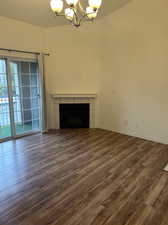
(134, 82)
(19, 35)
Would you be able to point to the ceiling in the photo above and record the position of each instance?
(38, 12)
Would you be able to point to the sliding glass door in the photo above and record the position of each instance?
(26, 96)
(22, 111)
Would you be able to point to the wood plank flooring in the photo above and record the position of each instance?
(83, 177)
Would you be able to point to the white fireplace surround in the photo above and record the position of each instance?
(72, 99)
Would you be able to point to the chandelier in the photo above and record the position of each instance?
(74, 11)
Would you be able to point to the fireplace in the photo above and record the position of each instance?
(70, 103)
(74, 115)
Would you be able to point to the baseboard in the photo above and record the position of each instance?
(140, 137)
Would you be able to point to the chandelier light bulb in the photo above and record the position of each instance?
(57, 5)
(91, 13)
(72, 2)
(69, 14)
(95, 4)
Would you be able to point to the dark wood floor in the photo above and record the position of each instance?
(83, 177)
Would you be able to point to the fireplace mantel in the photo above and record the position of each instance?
(80, 96)
(61, 98)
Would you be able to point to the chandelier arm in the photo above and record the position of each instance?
(82, 18)
(81, 7)
(83, 13)
(58, 14)
(77, 21)
(74, 24)
(86, 15)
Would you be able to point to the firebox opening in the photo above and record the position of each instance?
(74, 115)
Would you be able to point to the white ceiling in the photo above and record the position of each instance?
(38, 12)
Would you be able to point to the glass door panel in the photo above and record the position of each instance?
(26, 96)
(5, 121)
